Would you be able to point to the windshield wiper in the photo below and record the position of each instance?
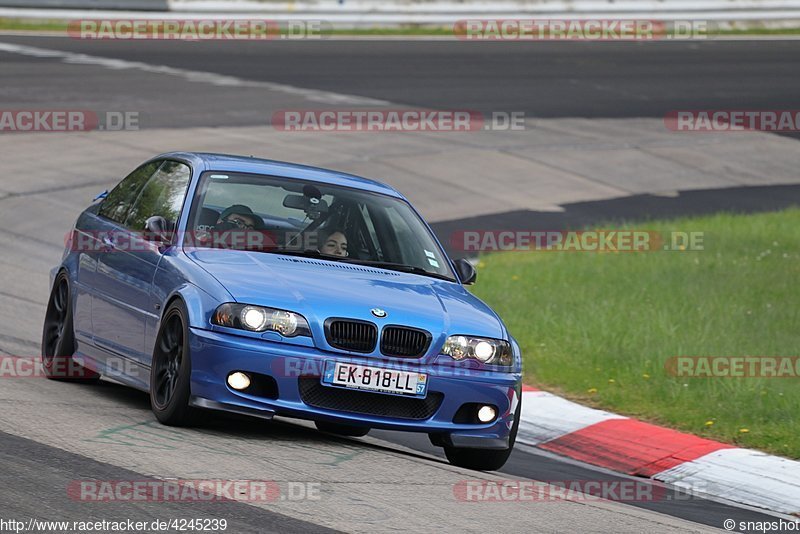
(402, 267)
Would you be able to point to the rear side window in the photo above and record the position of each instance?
(119, 201)
(163, 195)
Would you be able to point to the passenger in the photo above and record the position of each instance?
(334, 243)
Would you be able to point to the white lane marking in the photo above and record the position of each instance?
(546, 417)
(742, 475)
(221, 80)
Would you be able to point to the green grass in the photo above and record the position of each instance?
(756, 31)
(599, 327)
(431, 31)
(33, 25)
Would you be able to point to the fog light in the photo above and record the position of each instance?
(486, 414)
(240, 381)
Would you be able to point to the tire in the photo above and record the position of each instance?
(485, 459)
(342, 430)
(171, 369)
(58, 337)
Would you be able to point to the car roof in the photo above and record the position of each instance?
(230, 163)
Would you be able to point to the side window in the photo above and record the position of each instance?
(118, 202)
(163, 195)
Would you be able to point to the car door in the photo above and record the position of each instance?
(94, 234)
(125, 270)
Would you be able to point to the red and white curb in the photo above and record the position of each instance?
(629, 446)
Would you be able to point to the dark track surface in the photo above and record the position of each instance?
(43, 496)
(755, 199)
(572, 79)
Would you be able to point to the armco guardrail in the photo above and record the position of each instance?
(488, 6)
(143, 5)
(350, 13)
(419, 6)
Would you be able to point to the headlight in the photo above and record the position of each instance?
(261, 319)
(489, 351)
(254, 318)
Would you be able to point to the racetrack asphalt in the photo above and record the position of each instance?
(539, 79)
(53, 433)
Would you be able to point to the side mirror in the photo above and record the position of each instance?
(156, 229)
(466, 272)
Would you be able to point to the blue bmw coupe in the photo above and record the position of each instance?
(264, 288)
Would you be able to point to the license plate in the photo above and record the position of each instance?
(353, 376)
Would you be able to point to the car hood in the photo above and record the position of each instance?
(319, 289)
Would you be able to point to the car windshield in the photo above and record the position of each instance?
(290, 216)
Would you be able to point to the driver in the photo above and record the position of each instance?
(239, 216)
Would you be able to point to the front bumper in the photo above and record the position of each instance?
(215, 355)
